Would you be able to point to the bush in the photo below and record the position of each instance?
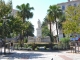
(55, 47)
(65, 40)
(25, 45)
(25, 40)
(33, 46)
(64, 43)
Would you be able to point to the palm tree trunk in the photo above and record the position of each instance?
(57, 31)
(23, 30)
(50, 27)
(51, 46)
(21, 40)
(50, 31)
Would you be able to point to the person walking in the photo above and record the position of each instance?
(11, 46)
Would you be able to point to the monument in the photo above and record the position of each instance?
(39, 37)
(39, 34)
(39, 30)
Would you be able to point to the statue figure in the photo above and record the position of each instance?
(39, 24)
(39, 30)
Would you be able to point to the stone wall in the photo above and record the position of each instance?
(38, 39)
(46, 39)
(31, 39)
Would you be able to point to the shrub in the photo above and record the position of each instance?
(25, 40)
(64, 43)
(55, 47)
(65, 40)
(33, 46)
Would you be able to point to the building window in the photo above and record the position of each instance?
(75, 5)
(63, 7)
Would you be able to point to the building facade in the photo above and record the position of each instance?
(14, 12)
(64, 5)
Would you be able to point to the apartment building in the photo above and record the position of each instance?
(64, 5)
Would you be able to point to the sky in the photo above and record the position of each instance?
(40, 8)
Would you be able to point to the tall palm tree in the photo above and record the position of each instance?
(56, 12)
(50, 19)
(24, 11)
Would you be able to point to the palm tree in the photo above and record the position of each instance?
(24, 11)
(56, 12)
(50, 19)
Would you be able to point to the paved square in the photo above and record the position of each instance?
(40, 55)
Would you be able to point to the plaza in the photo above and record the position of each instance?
(40, 55)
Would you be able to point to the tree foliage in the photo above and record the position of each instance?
(45, 30)
(5, 10)
(61, 20)
(24, 11)
(29, 30)
(72, 23)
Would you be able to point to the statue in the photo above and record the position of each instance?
(39, 24)
(39, 30)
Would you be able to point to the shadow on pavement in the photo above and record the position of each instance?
(49, 51)
(23, 56)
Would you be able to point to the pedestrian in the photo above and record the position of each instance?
(11, 46)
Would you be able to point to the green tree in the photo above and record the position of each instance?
(72, 23)
(16, 25)
(45, 30)
(50, 19)
(55, 12)
(5, 10)
(29, 29)
(24, 11)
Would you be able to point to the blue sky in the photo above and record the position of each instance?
(40, 8)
